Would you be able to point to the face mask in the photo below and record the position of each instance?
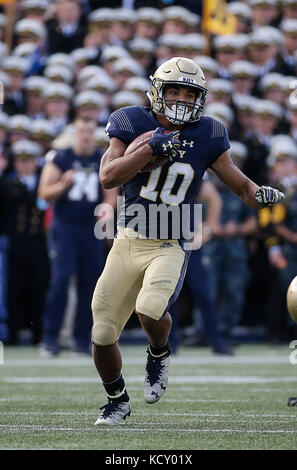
(178, 113)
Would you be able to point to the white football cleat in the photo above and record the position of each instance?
(114, 412)
(156, 379)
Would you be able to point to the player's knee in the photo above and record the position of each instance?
(152, 304)
(103, 334)
(104, 330)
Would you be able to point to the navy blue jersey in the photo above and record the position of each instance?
(175, 183)
(78, 203)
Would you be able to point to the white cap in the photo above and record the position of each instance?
(101, 15)
(84, 54)
(142, 45)
(26, 148)
(151, 15)
(220, 111)
(15, 64)
(101, 83)
(221, 86)
(40, 5)
(113, 53)
(226, 42)
(178, 13)
(61, 59)
(58, 91)
(274, 33)
(89, 98)
(58, 73)
(240, 10)
(20, 123)
(30, 27)
(170, 40)
(137, 84)
(272, 80)
(289, 26)
(41, 127)
(207, 64)
(90, 71)
(124, 15)
(130, 65)
(36, 82)
(193, 41)
(265, 35)
(245, 102)
(243, 68)
(282, 146)
(126, 98)
(237, 149)
(267, 107)
(25, 49)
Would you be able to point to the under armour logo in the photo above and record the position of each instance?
(169, 145)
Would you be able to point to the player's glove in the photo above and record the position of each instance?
(164, 144)
(267, 196)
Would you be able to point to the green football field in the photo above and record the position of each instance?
(212, 402)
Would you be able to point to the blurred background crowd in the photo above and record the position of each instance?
(67, 59)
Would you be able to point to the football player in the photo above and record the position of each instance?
(146, 274)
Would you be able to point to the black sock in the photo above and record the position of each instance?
(159, 351)
(116, 389)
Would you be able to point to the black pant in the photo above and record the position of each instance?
(27, 284)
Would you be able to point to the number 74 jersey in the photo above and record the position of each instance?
(79, 202)
(177, 182)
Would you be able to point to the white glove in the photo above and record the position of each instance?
(267, 196)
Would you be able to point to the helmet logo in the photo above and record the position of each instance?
(187, 80)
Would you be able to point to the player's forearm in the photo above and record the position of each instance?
(247, 193)
(51, 193)
(120, 170)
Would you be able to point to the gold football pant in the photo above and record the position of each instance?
(140, 274)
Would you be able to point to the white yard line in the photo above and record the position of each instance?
(68, 362)
(172, 380)
(22, 427)
(159, 413)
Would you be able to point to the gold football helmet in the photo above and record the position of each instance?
(292, 299)
(178, 71)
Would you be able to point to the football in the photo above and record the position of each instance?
(156, 161)
(292, 299)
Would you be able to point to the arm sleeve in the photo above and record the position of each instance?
(120, 126)
(219, 140)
